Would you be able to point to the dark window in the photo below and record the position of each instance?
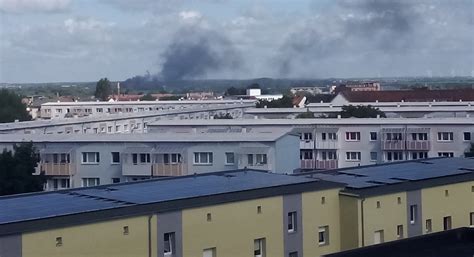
(467, 136)
(115, 157)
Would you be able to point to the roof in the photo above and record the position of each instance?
(456, 242)
(36, 211)
(156, 102)
(400, 176)
(148, 137)
(316, 121)
(418, 95)
(109, 117)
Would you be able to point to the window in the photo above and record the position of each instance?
(331, 136)
(373, 156)
(446, 193)
(292, 222)
(59, 241)
(373, 136)
(169, 244)
(445, 154)
(413, 213)
(117, 128)
(393, 136)
(378, 204)
(323, 136)
(323, 235)
(419, 136)
(323, 200)
(259, 247)
(125, 230)
(352, 136)
(399, 231)
(203, 158)
(378, 237)
(307, 136)
(259, 209)
(90, 182)
(399, 200)
(428, 226)
(229, 158)
(261, 159)
(60, 183)
(447, 223)
(353, 156)
(471, 219)
(419, 155)
(145, 158)
(329, 155)
(445, 136)
(90, 158)
(293, 254)
(211, 252)
(109, 129)
(115, 180)
(115, 157)
(171, 158)
(395, 156)
(467, 136)
(209, 217)
(306, 154)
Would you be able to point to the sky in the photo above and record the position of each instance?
(85, 40)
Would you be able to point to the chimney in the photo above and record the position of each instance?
(118, 91)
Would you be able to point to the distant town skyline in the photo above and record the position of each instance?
(73, 40)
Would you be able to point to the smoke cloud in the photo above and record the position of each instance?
(194, 52)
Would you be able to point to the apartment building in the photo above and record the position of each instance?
(242, 212)
(339, 143)
(117, 123)
(71, 161)
(61, 110)
(389, 202)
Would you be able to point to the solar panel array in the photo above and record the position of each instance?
(376, 175)
(38, 206)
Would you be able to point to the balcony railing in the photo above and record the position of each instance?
(306, 144)
(56, 169)
(319, 164)
(168, 169)
(326, 144)
(393, 145)
(140, 169)
(418, 145)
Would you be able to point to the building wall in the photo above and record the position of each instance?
(10, 246)
(350, 225)
(93, 240)
(458, 204)
(286, 159)
(316, 214)
(234, 227)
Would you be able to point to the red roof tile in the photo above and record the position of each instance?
(418, 95)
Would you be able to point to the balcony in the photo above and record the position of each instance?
(419, 145)
(139, 169)
(326, 144)
(56, 169)
(168, 169)
(393, 145)
(306, 144)
(319, 164)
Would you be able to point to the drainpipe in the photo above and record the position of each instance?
(149, 234)
(362, 220)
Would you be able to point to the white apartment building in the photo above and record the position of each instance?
(61, 110)
(117, 123)
(80, 160)
(339, 143)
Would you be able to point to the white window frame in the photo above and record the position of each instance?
(170, 243)
(307, 136)
(376, 156)
(86, 160)
(261, 159)
(324, 231)
(446, 154)
(445, 136)
(352, 136)
(112, 158)
(370, 136)
(86, 182)
(464, 136)
(259, 247)
(198, 158)
(350, 156)
(413, 213)
(400, 231)
(306, 154)
(227, 155)
(292, 222)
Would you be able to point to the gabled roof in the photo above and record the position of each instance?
(419, 95)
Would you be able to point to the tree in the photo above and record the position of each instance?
(148, 97)
(305, 115)
(221, 116)
(235, 91)
(11, 107)
(103, 89)
(285, 102)
(470, 153)
(17, 168)
(361, 111)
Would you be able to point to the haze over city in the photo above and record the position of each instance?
(70, 40)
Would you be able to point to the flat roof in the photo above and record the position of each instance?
(35, 211)
(148, 137)
(108, 117)
(327, 109)
(316, 121)
(399, 176)
(170, 102)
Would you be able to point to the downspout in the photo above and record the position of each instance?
(362, 221)
(149, 235)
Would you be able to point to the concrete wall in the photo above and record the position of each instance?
(10, 246)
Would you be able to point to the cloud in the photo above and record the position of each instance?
(195, 52)
(24, 6)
